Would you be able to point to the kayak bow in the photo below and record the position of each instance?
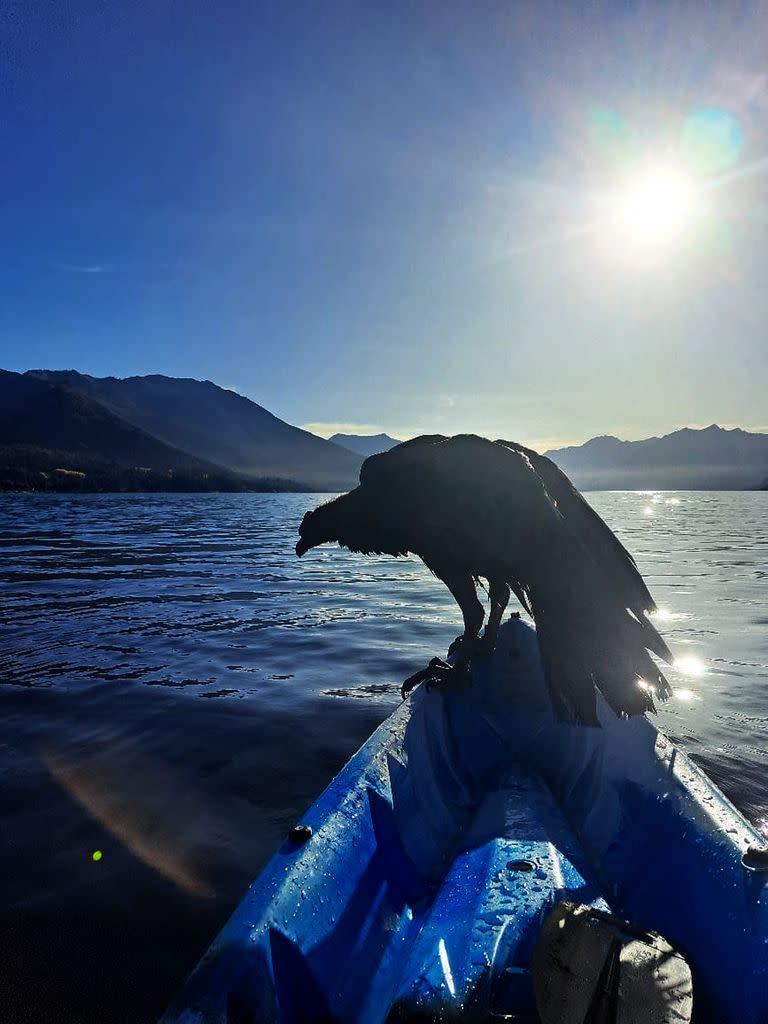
(418, 882)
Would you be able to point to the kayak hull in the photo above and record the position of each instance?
(437, 851)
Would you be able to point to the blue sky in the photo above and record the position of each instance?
(392, 216)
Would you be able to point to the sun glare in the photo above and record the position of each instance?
(655, 206)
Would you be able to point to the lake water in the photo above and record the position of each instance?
(176, 687)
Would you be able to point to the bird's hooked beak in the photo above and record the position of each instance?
(316, 528)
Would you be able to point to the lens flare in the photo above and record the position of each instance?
(711, 140)
(142, 806)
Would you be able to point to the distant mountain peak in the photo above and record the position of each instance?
(364, 444)
(605, 439)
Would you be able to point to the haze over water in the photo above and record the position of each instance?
(177, 688)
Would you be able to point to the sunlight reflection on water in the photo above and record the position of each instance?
(690, 666)
(684, 694)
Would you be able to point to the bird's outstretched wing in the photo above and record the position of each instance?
(497, 507)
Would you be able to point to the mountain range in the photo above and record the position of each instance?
(52, 438)
(217, 425)
(708, 459)
(63, 430)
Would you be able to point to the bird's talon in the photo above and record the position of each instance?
(413, 681)
(447, 677)
(438, 673)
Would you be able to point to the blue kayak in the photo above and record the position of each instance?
(417, 885)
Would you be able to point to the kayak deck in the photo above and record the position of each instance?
(439, 848)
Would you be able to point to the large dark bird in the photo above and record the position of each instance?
(472, 508)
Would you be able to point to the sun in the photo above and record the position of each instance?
(655, 206)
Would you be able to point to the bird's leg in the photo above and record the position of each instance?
(499, 594)
(439, 672)
(462, 586)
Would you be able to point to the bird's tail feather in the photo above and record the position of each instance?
(590, 638)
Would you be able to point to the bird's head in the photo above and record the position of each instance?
(322, 525)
